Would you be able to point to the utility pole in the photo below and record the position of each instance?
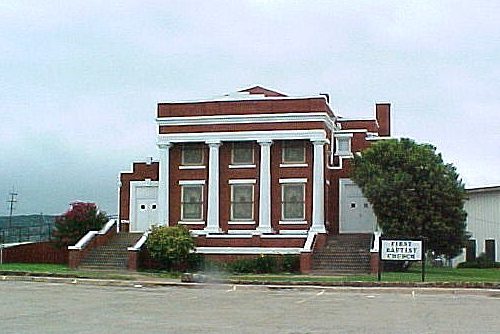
(12, 199)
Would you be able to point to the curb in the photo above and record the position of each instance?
(239, 285)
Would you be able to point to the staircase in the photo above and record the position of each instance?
(111, 256)
(343, 254)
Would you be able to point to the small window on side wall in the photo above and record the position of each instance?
(343, 146)
(192, 155)
(293, 152)
(242, 153)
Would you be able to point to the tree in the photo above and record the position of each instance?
(414, 193)
(76, 222)
(170, 245)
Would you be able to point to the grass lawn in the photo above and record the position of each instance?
(64, 270)
(36, 267)
(413, 275)
(58, 270)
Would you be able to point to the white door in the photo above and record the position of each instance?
(146, 214)
(356, 213)
(144, 207)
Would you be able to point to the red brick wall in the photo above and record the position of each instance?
(227, 174)
(317, 104)
(176, 174)
(370, 125)
(140, 172)
(255, 241)
(359, 142)
(75, 256)
(277, 173)
(383, 114)
(39, 252)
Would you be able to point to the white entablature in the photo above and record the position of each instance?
(312, 135)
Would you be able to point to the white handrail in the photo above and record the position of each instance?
(309, 242)
(83, 241)
(138, 245)
(91, 234)
(105, 229)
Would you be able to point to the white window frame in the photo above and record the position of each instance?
(283, 186)
(284, 146)
(232, 185)
(248, 163)
(348, 139)
(192, 146)
(200, 185)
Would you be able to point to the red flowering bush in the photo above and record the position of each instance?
(76, 222)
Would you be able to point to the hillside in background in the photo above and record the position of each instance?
(24, 228)
(27, 220)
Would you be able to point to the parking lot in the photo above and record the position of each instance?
(28, 307)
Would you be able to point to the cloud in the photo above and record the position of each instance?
(80, 80)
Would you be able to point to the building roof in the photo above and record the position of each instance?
(483, 189)
(262, 91)
(251, 93)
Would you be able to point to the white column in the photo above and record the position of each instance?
(265, 187)
(163, 188)
(318, 205)
(213, 188)
(118, 209)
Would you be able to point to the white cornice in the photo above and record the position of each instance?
(312, 135)
(247, 118)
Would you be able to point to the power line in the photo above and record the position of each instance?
(12, 199)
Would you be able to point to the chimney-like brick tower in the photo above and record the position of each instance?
(383, 115)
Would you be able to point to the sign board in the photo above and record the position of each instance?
(401, 250)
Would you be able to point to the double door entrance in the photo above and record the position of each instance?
(144, 206)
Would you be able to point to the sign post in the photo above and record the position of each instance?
(401, 250)
(423, 260)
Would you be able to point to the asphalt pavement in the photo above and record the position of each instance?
(73, 307)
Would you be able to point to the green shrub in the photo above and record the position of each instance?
(171, 246)
(291, 263)
(242, 266)
(76, 222)
(195, 262)
(482, 261)
(265, 264)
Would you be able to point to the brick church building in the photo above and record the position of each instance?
(255, 172)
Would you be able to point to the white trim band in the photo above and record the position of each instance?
(247, 118)
(192, 167)
(241, 166)
(316, 134)
(191, 222)
(243, 222)
(191, 182)
(293, 165)
(293, 222)
(242, 181)
(301, 180)
(248, 250)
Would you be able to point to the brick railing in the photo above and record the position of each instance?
(90, 241)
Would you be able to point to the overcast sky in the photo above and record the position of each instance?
(79, 80)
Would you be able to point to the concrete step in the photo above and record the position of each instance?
(345, 253)
(113, 255)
